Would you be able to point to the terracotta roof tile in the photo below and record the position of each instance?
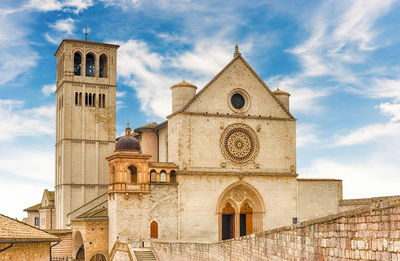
(13, 231)
(34, 207)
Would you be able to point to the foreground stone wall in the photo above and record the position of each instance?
(368, 233)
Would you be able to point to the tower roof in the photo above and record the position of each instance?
(277, 91)
(183, 84)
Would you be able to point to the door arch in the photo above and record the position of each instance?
(78, 247)
(98, 257)
(246, 219)
(249, 209)
(154, 230)
(228, 222)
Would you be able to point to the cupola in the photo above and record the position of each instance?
(127, 142)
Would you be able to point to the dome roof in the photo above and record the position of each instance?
(183, 84)
(127, 142)
(277, 91)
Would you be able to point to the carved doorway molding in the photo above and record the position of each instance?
(240, 211)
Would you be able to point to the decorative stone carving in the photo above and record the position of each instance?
(239, 143)
(238, 195)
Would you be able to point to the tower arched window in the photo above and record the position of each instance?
(90, 65)
(76, 98)
(132, 174)
(103, 66)
(77, 63)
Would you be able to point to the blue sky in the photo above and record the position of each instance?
(340, 60)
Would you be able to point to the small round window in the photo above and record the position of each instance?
(237, 101)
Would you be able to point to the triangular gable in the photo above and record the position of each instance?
(45, 197)
(279, 103)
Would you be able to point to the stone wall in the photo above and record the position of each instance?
(368, 233)
(25, 251)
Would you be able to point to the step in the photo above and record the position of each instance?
(146, 255)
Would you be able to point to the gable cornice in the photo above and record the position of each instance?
(220, 73)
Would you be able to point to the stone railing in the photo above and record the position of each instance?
(367, 233)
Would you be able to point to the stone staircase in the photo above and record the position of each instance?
(145, 255)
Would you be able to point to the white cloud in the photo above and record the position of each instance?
(120, 94)
(16, 58)
(152, 74)
(368, 134)
(341, 35)
(206, 59)
(374, 176)
(75, 6)
(66, 26)
(17, 121)
(383, 88)
(61, 29)
(390, 110)
(373, 132)
(18, 195)
(305, 135)
(48, 89)
(45, 5)
(341, 32)
(38, 162)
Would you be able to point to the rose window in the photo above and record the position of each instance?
(239, 143)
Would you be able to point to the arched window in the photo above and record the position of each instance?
(104, 100)
(37, 221)
(77, 63)
(94, 100)
(76, 99)
(90, 65)
(103, 66)
(133, 174)
(172, 176)
(153, 230)
(80, 98)
(163, 176)
(153, 176)
(86, 99)
(90, 99)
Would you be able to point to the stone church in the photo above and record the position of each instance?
(222, 165)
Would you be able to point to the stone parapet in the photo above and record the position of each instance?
(366, 233)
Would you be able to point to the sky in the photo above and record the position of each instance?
(339, 60)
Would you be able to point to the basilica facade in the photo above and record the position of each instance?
(222, 165)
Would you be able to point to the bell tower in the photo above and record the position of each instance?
(85, 122)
